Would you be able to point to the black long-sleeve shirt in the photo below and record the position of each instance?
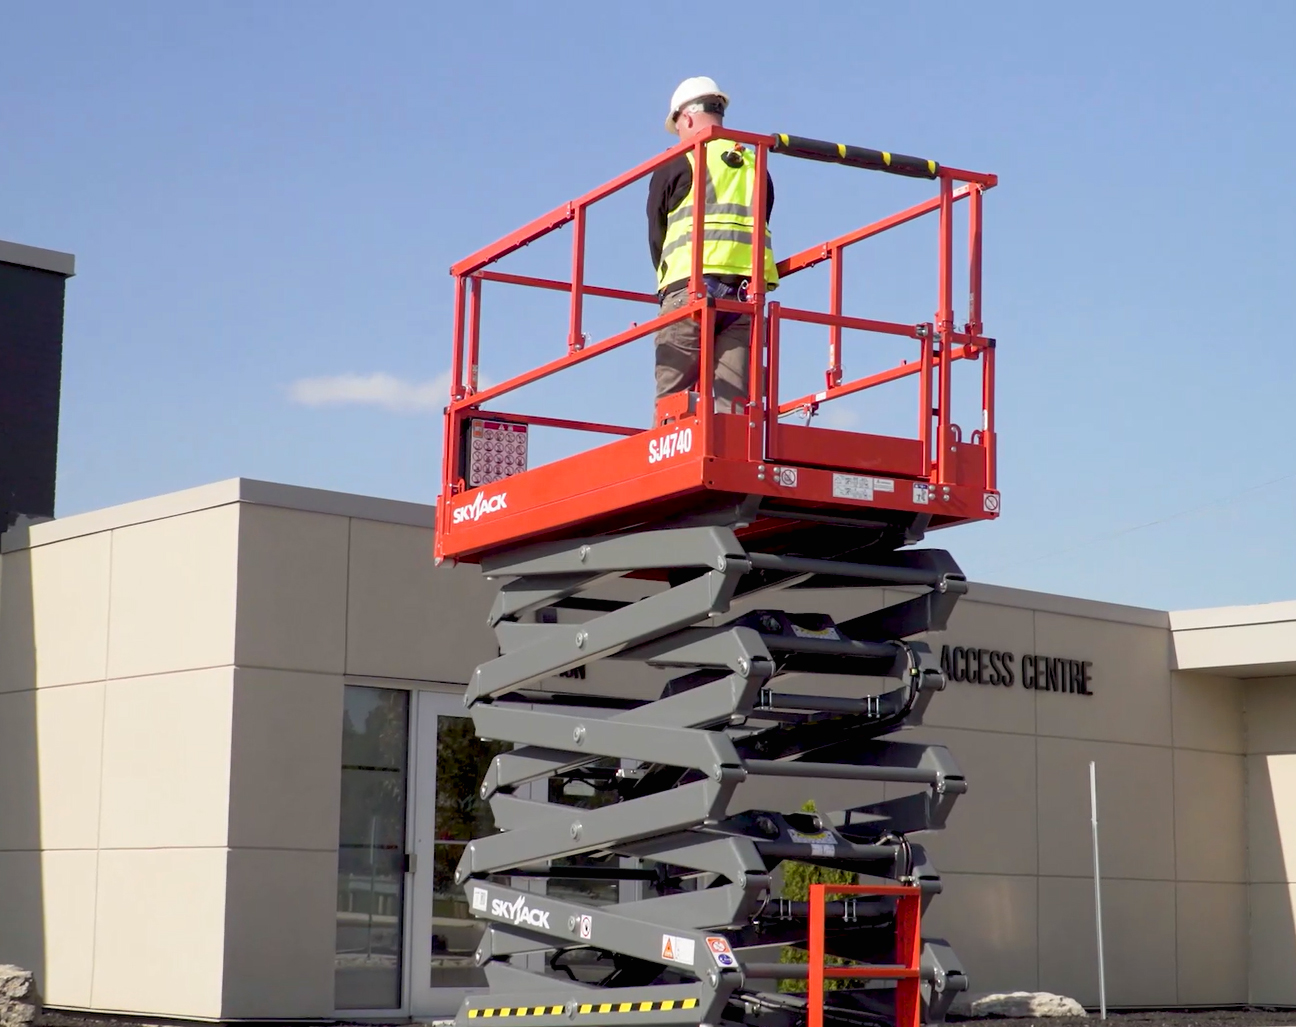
(671, 185)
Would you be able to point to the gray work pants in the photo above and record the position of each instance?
(678, 350)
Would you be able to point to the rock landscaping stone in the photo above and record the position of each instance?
(20, 1003)
(1026, 1005)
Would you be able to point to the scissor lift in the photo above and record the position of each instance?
(712, 517)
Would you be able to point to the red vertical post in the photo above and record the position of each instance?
(757, 408)
(925, 410)
(988, 437)
(457, 355)
(944, 331)
(699, 217)
(575, 334)
(908, 1011)
(977, 328)
(474, 333)
(815, 984)
(834, 375)
(450, 428)
(772, 382)
(706, 377)
(975, 193)
(706, 325)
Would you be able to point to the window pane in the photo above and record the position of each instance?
(461, 815)
(371, 848)
(462, 760)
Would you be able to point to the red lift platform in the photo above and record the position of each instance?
(799, 485)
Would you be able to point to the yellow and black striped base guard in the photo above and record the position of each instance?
(594, 1007)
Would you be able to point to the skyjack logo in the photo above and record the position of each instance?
(480, 507)
(520, 913)
(678, 441)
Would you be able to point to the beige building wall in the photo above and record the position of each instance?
(1258, 644)
(171, 678)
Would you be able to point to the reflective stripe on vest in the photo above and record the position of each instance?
(726, 227)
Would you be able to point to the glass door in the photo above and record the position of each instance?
(449, 764)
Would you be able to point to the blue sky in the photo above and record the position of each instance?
(262, 195)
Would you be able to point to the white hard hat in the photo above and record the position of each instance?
(689, 90)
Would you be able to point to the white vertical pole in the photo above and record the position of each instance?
(1093, 821)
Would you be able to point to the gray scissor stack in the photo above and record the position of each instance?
(684, 943)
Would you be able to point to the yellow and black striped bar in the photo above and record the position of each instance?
(585, 1008)
(855, 156)
(664, 1005)
(491, 1012)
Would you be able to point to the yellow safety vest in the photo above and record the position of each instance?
(726, 227)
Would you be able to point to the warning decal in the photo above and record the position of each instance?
(676, 949)
(721, 952)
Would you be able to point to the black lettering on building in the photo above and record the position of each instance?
(998, 667)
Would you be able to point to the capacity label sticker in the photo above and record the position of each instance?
(479, 899)
(721, 952)
(852, 486)
(676, 949)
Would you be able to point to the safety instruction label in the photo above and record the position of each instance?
(852, 486)
(479, 899)
(829, 632)
(821, 844)
(921, 493)
(721, 952)
(586, 926)
(883, 484)
(676, 949)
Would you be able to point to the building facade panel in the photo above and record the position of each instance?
(1208, 712)
(1131, 680)
(279, 933)
(166, 760)
(1270, 705)
(69, 880)
(70, 585)
(982, 651)
(994, 827)
(1210, 816)
(174, 583)
(69, 737)
(407, 617)
(1136, 808)
(1002, 913)
(1211, 930)
(292, 589)
(159, 932)
(1271, 818)
(20, 797)
(1272, 951)
(285, 750)
(1138, 935)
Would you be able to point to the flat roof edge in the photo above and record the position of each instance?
(1069, 606)
(1233, 616)
(221, 493)
(35, 257)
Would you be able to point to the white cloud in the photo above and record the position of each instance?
(376, 390)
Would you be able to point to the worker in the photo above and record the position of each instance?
(696, 106)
